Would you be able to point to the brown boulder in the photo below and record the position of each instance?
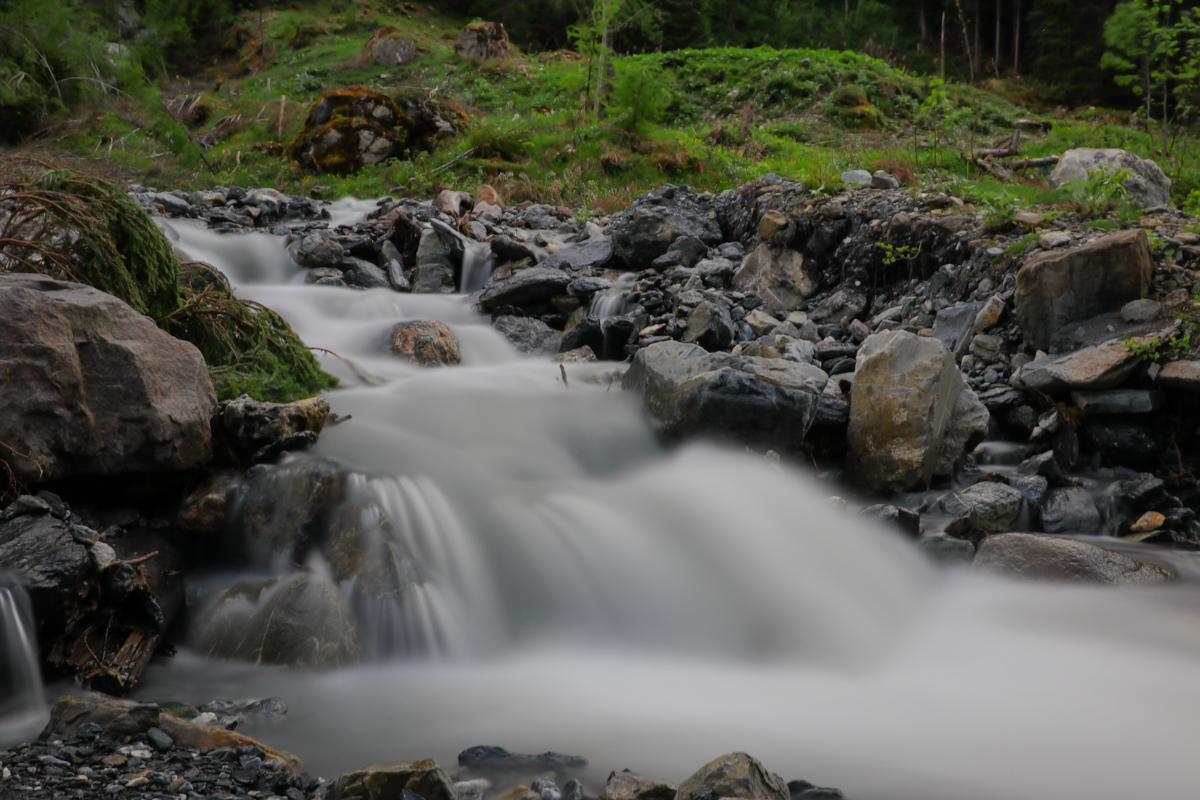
(1061, 287)
(483, 41)
(426, 342)
(91, 387)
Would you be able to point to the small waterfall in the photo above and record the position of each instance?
(22, 703)
(478, 261)
(611, 302)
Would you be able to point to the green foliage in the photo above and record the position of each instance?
(249, 348)
(893, 253)
(1158, 349)
(489, 140)
(1099, 193)
(638, 98)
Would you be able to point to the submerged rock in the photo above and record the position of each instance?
(249, 428)
(1044, 557)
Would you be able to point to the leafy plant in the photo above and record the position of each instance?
(638, 96)
(1094, 196)
(895, 253)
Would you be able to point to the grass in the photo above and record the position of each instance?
(730, 115)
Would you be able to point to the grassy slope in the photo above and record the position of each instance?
(816, 114)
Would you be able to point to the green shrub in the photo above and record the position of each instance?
(639, 96)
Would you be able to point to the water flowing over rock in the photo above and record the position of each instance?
(1146, 183)
(689, 390)
(736, 775)
(91, 387)
(426, 342)
(904, 394)
(390, 781)
(298, 622)
(647, 228)
(1044, 557)
(1058, 288)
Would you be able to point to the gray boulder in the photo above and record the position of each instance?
(1146, 183)
(903, 399)
(529, 335)
(1060, 287)
(1070, 510)
(968, 427)
(91, 387)
(647, 228)
(524, 287)
(319, 248)
(1032, 555)
(594, 254)
(688, 391)
(994, 505)
(777, 276)
(710, 326)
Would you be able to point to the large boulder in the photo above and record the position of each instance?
(483, 41)
(905, 391)
(689, 391)
(647, 228)
(736, 775)
(91, 387)
(994, 507)
(1045, 557)
(395, 780)
(1057, 288)
(1146, 184)
(777, 276)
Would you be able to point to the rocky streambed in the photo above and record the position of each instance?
(1011, 402)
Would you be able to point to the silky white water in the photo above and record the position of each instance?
(585, 591)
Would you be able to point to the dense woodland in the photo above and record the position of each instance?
(1080, 51)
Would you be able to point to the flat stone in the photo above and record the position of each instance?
(525, 287)
(1119, 401)
(1037, 556)
(1100, 367)
(1184, 375)
(955, 325)
(1055, 289)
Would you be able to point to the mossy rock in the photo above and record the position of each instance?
(352, 127)
(860, 118)
(850, 96)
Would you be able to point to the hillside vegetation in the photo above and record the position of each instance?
(712, 117)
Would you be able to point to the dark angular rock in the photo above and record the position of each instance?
(525, 287)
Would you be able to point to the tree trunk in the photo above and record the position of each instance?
(1017, 39)
(942, 55)
(977, 64)
(921, 23)
(996, 63)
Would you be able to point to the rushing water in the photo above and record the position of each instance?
(587, 592)
(22, 708)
